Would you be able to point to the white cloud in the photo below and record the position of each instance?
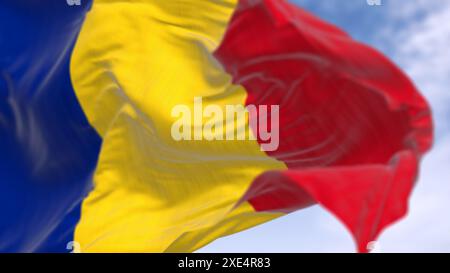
(424, 53)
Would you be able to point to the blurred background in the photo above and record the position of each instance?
(415, 34)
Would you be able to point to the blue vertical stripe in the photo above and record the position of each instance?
(48, 150)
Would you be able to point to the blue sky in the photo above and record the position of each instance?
(416, 35)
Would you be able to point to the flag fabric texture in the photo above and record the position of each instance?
(86, 152)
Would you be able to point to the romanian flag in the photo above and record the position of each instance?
(89, 92)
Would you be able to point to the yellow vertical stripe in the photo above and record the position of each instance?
(134, 61)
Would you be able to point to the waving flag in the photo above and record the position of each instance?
(87, 152)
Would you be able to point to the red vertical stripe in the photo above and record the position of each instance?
(352, 126)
